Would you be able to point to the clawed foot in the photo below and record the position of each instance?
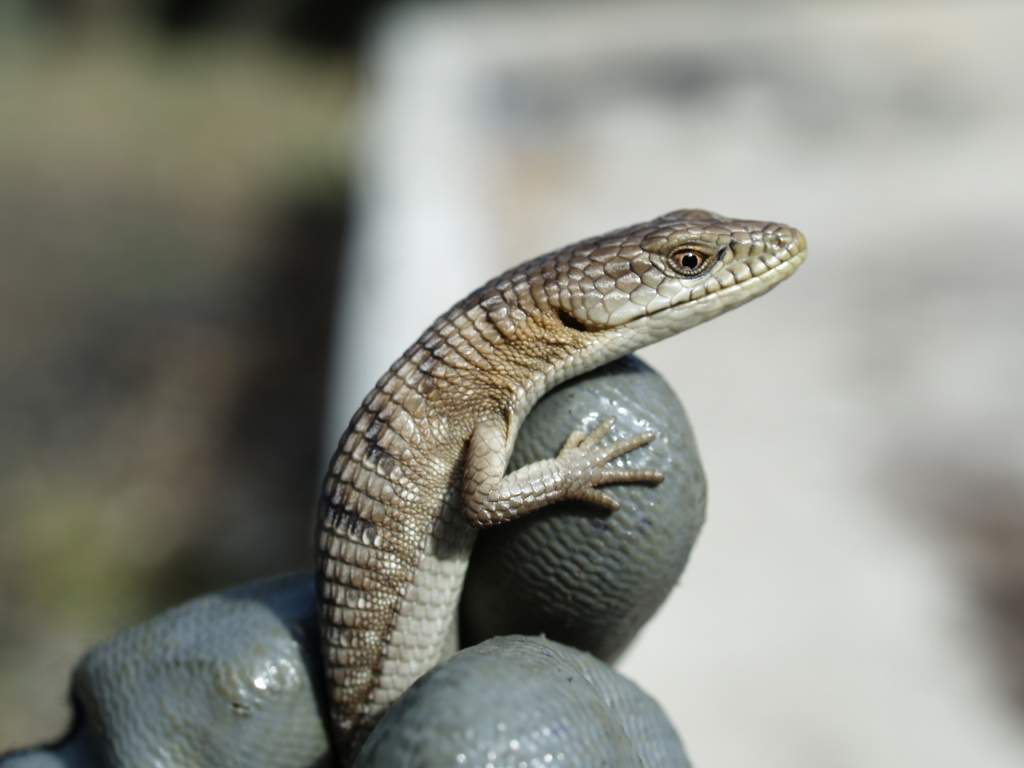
(588, 460)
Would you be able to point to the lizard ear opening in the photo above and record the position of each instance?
(569, 321)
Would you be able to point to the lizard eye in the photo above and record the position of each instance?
(690, 261)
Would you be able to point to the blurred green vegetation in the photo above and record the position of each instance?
(171, 213)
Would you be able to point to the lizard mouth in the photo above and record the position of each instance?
(736, 284)
(747, 277)
(753, 272)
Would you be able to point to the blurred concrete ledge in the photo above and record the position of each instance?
(824, 620)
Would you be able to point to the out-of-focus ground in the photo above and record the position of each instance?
(171, 219)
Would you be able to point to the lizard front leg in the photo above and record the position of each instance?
(581, 466)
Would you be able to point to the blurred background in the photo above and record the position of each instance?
(221, 221)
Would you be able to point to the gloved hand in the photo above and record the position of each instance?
(233, 678)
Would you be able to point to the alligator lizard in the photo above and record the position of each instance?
(422, 464)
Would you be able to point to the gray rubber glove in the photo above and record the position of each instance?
(233, 678)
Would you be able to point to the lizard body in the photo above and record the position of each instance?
(422, 463)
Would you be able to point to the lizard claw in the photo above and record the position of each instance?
(600, 499)
(572, 441)
(598, 433)
(588, 459)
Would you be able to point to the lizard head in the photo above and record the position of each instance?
(655, 279)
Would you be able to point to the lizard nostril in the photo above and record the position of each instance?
(801, 241)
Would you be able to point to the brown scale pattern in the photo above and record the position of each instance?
(384, 502)
(394, 536)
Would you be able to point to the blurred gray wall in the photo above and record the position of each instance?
(860, 426)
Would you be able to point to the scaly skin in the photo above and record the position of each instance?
(422, 463)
